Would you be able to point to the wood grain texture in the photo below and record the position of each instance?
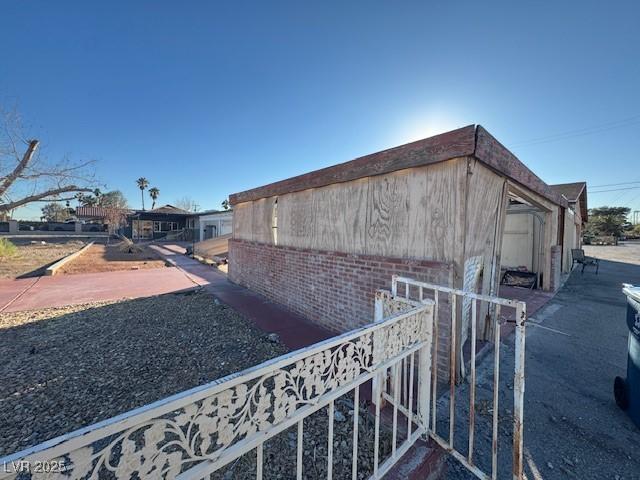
(340, 216)
(433, 201)
(431, 150)
(388, 214)
(296, 219)
(243, 221)
(496, 155)
(484, 197)
(262, 218)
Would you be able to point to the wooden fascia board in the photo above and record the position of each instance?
(467, 141)
(492, 153)
(456, 143)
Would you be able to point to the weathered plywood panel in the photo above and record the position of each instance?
(388, 215)
(484, 195)
(340, 216)
(262, 220)
(434, 194)
(243, 221)
(296, 219)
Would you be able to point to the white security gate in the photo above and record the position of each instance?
(193, 434)
(411, 289)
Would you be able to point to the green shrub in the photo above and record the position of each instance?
(7, 249)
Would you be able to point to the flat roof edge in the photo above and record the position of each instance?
(495, 155)
(471, 140)
(456, 143)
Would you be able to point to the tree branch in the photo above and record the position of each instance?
(26, 158)
(6, 207)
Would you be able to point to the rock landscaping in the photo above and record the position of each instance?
(65, 368)
(280, 452)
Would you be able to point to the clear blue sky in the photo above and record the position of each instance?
(209, 98)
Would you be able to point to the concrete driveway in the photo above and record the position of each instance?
(573, 428)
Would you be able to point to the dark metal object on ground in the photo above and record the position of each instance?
(578, 256)
(516, 278)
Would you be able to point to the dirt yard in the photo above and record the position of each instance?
(34, 256)
(110, 258)
(625, 252)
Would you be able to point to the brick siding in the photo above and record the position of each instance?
(333, 289)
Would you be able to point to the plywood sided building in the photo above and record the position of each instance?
(323, 242)
(575, 218)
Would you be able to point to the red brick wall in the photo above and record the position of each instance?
(334, 289)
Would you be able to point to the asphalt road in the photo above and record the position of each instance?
(573, 428)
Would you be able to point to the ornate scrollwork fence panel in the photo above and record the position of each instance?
(195, 433)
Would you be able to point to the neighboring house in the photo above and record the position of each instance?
(576, 217)
(103, 215)
(323, 242)
(159, 223)
(214, 223)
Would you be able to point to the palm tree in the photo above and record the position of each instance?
(142, 184)
(154, 193)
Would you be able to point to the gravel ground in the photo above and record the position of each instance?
(33, 258)
(280, 451)
(64, 368)
(109, 258)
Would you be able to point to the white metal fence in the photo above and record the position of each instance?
(419, 291)
(193, 434)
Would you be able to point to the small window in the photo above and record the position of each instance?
(157, 226)
(274, 222)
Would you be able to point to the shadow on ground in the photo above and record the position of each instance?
(573, 428)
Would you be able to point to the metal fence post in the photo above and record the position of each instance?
(424, 371)
(378, 316)
(518, 391)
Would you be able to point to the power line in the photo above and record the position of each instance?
(604, 127)
(614, 190)
(614, 184)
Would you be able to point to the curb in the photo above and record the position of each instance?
(53, 269)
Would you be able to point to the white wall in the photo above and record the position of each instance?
(572, 229)
(223, 221)
(518, 241)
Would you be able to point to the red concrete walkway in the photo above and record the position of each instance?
(60, 290)
(294, 330)
(44, 292)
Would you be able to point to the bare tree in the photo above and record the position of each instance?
(187, 203)
(27, 176)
